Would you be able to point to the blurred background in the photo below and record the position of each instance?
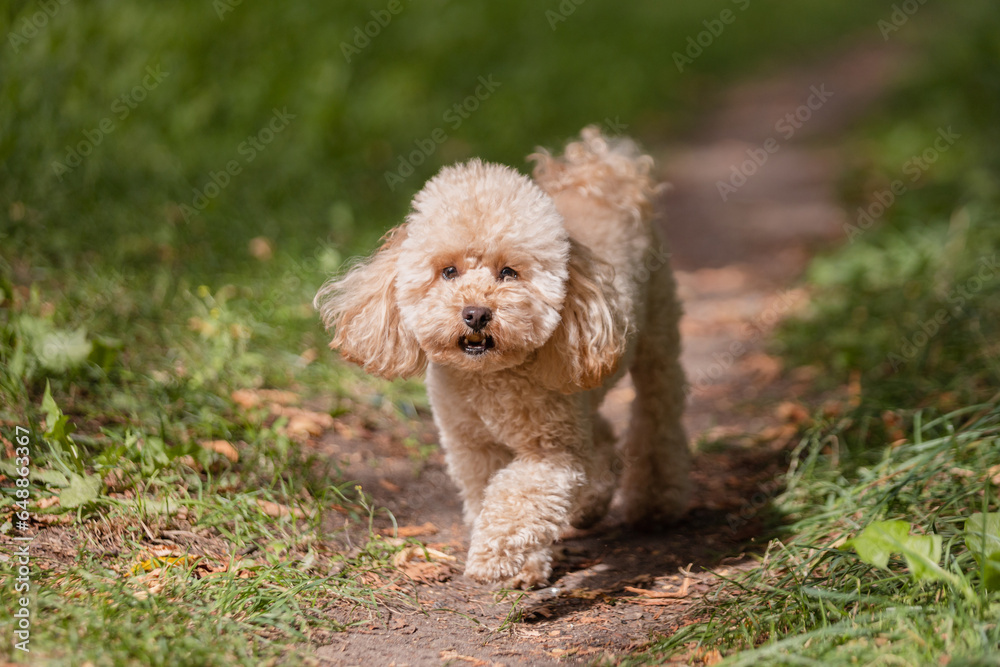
(359, 96)
(149, 151)
(178, 179)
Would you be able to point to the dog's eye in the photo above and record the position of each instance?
(449, 273)
(507, 273)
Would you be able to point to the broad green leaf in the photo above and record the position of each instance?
(50, 477)
(982, 538)
(82, 489)
(59, 428)
(880, 539)
(60, 351)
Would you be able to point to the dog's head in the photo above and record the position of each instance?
(481, 277)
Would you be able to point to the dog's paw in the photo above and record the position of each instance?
(534, 574)
(487, 566)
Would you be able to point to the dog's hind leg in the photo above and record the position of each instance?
(602, 469)
(656, 456)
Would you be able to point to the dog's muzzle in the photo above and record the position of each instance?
(476, 318)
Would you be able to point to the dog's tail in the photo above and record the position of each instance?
(613, 170)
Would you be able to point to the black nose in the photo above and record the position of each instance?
(476, 317)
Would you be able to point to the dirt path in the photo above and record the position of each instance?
(735, 261)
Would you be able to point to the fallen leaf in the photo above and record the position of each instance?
(389, 486)
(251, 398)
(682, 592)
(245, 398)
(560, 652)
(53, 519)
(711, 657)
(451, 654)
(261, 248)
(303, 422)
(412, 531)
(46, 503)
(423, 563)
(277, 511)
(791, 411)
(221, 447)
(994, 474)
(854, 389)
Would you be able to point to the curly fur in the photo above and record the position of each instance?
(592, 296)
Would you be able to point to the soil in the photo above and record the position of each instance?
(737, 261)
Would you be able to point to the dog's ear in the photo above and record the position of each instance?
(591, 337)
(361, 307)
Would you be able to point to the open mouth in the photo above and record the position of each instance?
(475, 344)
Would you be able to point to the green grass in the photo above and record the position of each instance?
(812, 600)
(321, 179)
(909, 307)
(142, 316)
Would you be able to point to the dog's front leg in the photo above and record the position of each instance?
(525, 507)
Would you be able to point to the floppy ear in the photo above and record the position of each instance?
(361, 307)
(590, 340)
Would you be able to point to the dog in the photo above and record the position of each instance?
(525, 300)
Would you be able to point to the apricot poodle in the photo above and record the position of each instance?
(525, 301)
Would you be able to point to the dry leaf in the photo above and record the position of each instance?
(423, 563)
(682, 592)
(854, 389)
(189, 462)
(560, 652)
(711, 657)
(221, 447)
(53, 519)
(412, 531)
(994, 475)
(251, 398)
(308, 356)
(303, 422)
(451, 654)
(277, 511)
(389, 486)
(793, 412)
(46, 503)
(261, 248)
